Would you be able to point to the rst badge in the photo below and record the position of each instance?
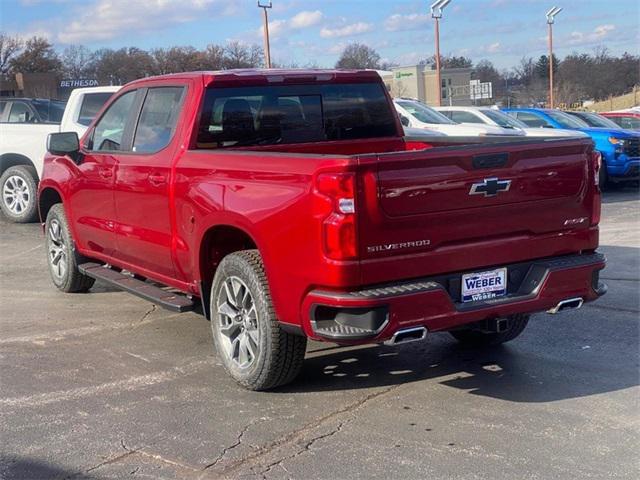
(490, 187)
(484, 285)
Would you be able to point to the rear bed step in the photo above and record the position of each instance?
(167, 299)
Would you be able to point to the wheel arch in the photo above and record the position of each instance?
(47, 198)
(8, 160)
(217, 242)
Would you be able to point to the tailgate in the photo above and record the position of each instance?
(454, 202)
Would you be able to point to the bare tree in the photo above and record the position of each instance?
(239, 55)
(358, 55)
(78, 61)
(9, 48)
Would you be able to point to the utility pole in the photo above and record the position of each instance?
(267, 49)
(551, 14)
(436, 14)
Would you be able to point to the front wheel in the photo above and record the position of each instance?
(478, 338)
(62, 257)
(19, 185)
(254, 350)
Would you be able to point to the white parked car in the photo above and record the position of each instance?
(494, 117)
(24, 127)
(415, 114)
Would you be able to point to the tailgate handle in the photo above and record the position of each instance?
(491, 160)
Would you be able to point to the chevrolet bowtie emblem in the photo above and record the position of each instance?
(490, 187)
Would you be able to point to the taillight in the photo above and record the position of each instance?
(596, 206)
(339, 226)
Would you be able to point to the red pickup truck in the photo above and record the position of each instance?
(288, 205)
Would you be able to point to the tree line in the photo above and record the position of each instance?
(578, 76)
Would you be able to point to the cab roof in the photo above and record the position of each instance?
(269, 76)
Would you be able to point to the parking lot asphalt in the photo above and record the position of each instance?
(106, 386)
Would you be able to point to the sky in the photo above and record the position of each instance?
(311, 31)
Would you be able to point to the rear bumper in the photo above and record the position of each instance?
(376, 313)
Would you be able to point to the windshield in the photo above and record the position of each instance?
(268, 115)
(424, 113)
(49, 110)
(595, 120)
(567, 121)
(502, 119)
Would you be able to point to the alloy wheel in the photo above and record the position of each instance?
(57, 249)
(16, 194)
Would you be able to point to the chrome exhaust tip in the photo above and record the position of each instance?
(407, 335)
(568, 304)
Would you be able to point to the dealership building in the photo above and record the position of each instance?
(421, 82)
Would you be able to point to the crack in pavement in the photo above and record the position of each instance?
(236, 444)
(260, 459)
(614, 309)
(306, 448)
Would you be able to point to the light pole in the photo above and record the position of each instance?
(267, 50)
(436, 14)
(551, 15)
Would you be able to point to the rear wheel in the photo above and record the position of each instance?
(62, 257)
(479, 338)
(19, 186)
(254, 350)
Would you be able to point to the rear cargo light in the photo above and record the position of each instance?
(597, 165)
(339, 227)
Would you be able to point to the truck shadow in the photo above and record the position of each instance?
(625, 192)
(22, 468)
(548, 368)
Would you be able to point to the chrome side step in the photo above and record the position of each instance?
(568, 304)
(407, 335)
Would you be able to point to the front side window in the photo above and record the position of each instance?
(109, 130)
(268, 115)
(20, 113)
(91, 105)
(157, 119)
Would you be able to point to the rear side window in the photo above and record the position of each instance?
(109, 130)
(91, 105)
(50, 111)
(268, 115)
(157, 119)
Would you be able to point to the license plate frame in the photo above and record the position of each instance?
(485, 285)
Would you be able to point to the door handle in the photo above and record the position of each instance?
(157, 179)
(105, 173)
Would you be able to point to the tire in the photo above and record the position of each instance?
(19, 187)
(62, 257)
(255, 351)
(477, 338)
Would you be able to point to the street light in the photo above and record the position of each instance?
(551, 15)
(267, 50)
(436, 14)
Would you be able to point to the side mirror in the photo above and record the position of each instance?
(65, 143)
(404, 121)
(546, 125)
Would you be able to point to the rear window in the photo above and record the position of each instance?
(91, 105)
(269, 115)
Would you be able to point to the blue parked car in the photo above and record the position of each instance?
(620, 148)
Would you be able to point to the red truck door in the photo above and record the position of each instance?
(91, 195)
(142, 184)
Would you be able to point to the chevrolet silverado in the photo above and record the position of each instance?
(288, 205)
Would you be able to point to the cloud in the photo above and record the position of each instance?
(411, 21)
(493, 48)
(347, 30)
(306, 19)
(598, 34)
(107, 19)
